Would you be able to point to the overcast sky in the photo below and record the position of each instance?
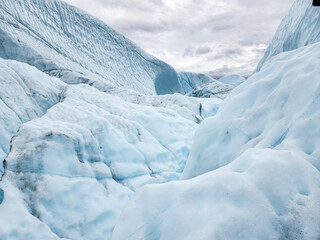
(219, 37)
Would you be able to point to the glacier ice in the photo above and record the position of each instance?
(91, 152)
(91, 148)
(67, 42)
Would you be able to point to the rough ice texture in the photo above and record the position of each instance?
(299, 28)
(234, 80)
(66, 42)
(24, 94)
(74, 154)
(256, 165)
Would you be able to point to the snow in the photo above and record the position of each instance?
(299, 28)
(67, 42)
(234, 80)
(253, 171)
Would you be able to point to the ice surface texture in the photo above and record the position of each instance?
(76, 154)
(66, 42)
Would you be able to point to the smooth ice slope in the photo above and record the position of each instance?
(299, 28)
(76, 47)
(260, 155)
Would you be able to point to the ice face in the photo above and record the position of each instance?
(253, 171)
(299, 28)
(66, 42)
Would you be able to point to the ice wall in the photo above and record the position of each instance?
(66, 42)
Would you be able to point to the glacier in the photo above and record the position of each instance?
(100, 140)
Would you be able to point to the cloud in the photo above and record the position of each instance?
(221, 36)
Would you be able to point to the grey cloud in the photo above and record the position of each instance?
(195, 35)
(203, 50)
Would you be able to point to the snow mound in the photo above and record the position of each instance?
(299, 28)
(234, 80)
(258, 161)
(66, 42)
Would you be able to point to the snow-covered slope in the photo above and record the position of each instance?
(299, 28)
(234, 80)
(74, 46)
(260, 155)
